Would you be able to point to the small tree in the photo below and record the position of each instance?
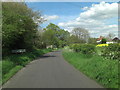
(103, 41)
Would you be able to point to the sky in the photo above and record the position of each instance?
(99, 18)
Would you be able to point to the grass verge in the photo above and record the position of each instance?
(103, 71)
(12, 72)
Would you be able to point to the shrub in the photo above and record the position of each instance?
(88, 49)
(23, 60)
(83, 48)
(111, 52)
(76, 47)
(71, 46)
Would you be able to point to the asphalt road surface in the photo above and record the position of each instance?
(50, 71)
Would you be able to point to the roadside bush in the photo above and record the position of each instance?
(75, 47)
(112, 52)
(83, 48)
(23, 60)
(71, 46)
(88, 49)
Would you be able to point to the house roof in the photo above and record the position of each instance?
(100, 38)
(114, 39)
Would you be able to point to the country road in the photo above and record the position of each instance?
(50, 71)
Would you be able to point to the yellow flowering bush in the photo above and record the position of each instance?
(101, 45)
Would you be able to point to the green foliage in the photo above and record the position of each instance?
(74, 39)
(103, 41)
(112, 51)
(19, 28)
(54, 35)
(92, 41)
(103, 71)
(10, 73)
(83, 48)
(75, 47)
(6, 66)
(23, 59)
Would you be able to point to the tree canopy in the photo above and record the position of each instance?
(56, 36)
(19, 25)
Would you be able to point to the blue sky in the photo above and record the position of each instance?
(68, 15)
(65, 10)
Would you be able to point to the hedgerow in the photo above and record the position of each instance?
(83, 48)
(111, 52)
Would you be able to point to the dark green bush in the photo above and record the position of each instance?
(83, 48)
(88, 49)
(23, 60)
(76, 47)
(112, 52)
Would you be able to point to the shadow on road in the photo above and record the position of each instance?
(47, 56)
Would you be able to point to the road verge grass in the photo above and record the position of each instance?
(12, 72)
(105, 72)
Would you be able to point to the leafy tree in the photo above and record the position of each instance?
(54, 35)
(20, 25)
(49, 37)
(39, 40)
(103, 41)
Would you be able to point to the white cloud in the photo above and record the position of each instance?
(85, 8)
(48, 18)
(100, 11)
(95, 19)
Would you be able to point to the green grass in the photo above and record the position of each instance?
(105, 72)
(12, 72)
(13, 63)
